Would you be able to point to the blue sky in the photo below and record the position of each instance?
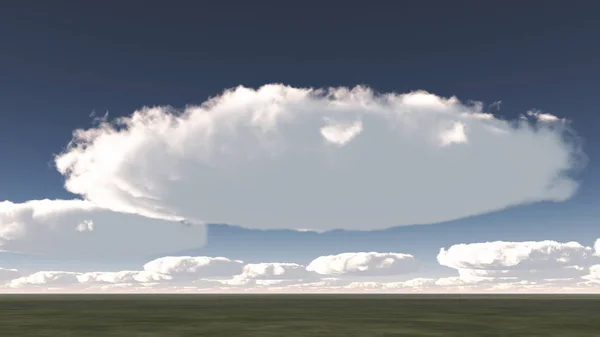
(62, 68)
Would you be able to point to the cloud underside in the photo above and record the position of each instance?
(284, 157)
(77, 228)
(489, 267)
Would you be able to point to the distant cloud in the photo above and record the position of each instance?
(493, 267)
(194, 267)
(419, 282)
(284, 157)
(363, 263)
(499, 255)
(271, 273)
(527, 260)
(45, 279)
(121, 277)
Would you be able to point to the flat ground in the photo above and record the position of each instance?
(298, 315)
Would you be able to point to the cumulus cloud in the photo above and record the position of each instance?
(194, 267)
(499, 255)
(271, 273)
(597, 247)
(545, 271)
(45, 279)
(284, 157)
(363, 263)
(80, 228)
(274, 270)
(594, 274)
(85, 225)
(124, 276)
(499, 260)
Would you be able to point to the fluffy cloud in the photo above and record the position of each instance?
(75, 281)
(194, 267)
(597, 247)
(124, 276)
(371, 263)
(275, 270)
(80, 228)
(594, 274)
(272, 273)
(218, 274)
(284, 157)
(535, 260)
(419, 282)
(45, 279)
(500, 255)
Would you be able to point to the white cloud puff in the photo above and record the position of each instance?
(194, 267)
(271, 273)
(597, 247)
(80, 228)
(501, 255)
(419, 282)
(363, 263)
(499, 260)
(594, 274)
(284, 157)
(85, 225)
(272, 270)
(124, 276)
(45, 279)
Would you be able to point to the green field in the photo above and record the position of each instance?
(298, 315)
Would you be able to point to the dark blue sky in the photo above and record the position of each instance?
(61, 60)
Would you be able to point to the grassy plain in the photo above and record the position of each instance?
(299, 315)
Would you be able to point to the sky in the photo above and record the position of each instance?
(338, 147)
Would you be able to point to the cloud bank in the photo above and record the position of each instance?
(284, 157)
(486, 267)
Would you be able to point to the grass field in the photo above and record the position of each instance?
(298, 315)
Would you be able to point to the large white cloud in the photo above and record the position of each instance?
(364, 263)
(500, 255)
(526, 260)
(283, 157)
(77, 228)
